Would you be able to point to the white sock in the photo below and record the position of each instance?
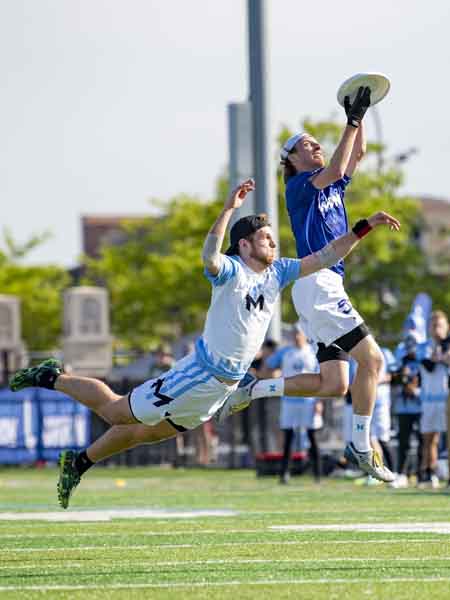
(361, 432)
(267, 388)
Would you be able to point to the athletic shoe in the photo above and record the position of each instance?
(370, 462)
(285, 478)
(434, 481)
(401, 481)
(38, 376)
(238, 400)
(69, 477)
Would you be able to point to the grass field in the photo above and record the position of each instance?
(240, 555)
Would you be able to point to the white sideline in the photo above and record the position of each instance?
(74, 564)
(66, 549)
(109, 515)
(432, 527)
(119, 586)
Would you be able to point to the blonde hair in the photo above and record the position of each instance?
(439, 314)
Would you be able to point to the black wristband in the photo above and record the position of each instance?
(361, 228)
(353, 122)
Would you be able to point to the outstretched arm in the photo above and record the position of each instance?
(339, 248)
(213, 243)
(346, 151)
(358, 152)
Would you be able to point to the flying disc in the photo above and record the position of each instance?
(378, 83)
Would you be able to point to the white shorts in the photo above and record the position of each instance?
(185, 396)
(347, 423)
(434, 417)
(323, 307)
(299, 414)
(380, 425)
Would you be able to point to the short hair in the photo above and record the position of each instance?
(439, 314)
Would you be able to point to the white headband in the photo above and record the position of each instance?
(289, 145)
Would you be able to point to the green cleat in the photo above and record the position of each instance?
(43, 375)
(69, 477)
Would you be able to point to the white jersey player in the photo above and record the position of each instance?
(246, 284)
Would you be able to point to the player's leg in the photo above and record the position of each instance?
(91, 392)
(433, 458)
(314, 454)
(404, 435)
(288, 435)
(97, 396)
(331, 382)
(364, 389)
(118, 438)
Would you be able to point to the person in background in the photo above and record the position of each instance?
(380, 428)
(163, 360)
(298, 413)
(407, 408)
(434, 373)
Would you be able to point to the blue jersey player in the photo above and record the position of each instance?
(315, 204)
(246, 282)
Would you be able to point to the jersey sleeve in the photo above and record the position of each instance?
(288, 270)
(227, 271)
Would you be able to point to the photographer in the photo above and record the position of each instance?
(434, 372)
(407, 408)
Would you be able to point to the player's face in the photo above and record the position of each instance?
(262, 246)
(439, 328)
(309, 154)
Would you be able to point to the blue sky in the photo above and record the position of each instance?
(107, 103)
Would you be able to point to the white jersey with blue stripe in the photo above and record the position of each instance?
(242, 306)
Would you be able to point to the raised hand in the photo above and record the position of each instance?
(383, 218)
(237, 196)
(356, 110)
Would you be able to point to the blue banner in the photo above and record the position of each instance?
(36, 424)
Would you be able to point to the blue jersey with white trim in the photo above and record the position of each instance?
(242, 306)
(317, 216)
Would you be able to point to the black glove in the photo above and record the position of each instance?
(356, 111)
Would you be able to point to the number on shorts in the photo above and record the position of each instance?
(163, 399)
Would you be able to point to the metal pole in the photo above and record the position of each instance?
(263, 163)
(240, 152)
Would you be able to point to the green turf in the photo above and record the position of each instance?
(235, 557)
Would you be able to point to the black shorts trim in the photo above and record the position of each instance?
(348, 341)
(131, 410)
(179, 428)
(331, 352)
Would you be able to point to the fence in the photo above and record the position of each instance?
(36, 424)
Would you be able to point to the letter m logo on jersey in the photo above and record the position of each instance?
(249, 302)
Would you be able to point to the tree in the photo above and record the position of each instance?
(39, 289)
(155, 279)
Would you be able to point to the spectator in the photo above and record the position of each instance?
(298, 413)
(434, 373)
(163, 361)
(407, 408)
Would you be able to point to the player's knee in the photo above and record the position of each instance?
(372, 361)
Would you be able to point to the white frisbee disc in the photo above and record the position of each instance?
(379, 86)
